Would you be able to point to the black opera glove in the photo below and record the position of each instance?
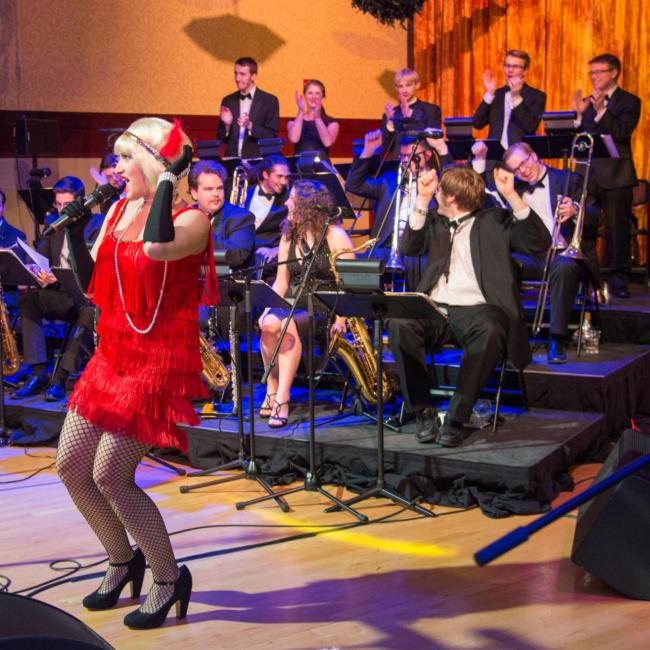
(160, 225)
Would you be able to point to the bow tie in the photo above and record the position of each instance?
(245, 96)
(269, 197)
(453, 224)
(533, 186)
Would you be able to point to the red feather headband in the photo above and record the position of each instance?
(169, 149)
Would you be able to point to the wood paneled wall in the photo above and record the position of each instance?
(456, 40)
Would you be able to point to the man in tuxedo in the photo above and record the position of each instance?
(54, 302)
(248, 115)
(267, 199)
(409, 114)
(423, 154)
(469, 274)
(513, 110)
(540, 188)
(233, 228)
(610, 109)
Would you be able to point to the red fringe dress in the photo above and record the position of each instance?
(139, 385)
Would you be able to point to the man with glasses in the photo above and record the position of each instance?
(513, 110)
(541, 188)
(610, 109)
(382, 190)
(53, 302)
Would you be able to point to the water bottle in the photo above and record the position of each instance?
(481, 413)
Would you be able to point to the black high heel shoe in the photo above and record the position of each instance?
(134, 575)
(140, 620)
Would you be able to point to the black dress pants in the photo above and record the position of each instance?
(564, 278)
(481, 332)
(617, 207)
(54, 304)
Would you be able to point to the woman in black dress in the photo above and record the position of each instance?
(312, 129)
(301, 230)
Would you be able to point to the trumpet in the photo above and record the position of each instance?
(582, 142)
(239, 186)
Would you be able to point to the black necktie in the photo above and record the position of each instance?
(452, 225)
(245, 96)
(270, 196)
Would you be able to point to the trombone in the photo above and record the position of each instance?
(582, 143)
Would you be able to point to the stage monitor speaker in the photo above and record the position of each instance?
(612, 537)
(30, 624)
(36, 137)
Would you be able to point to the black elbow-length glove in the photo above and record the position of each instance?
(160, 225)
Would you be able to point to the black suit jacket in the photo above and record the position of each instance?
(619, 120)
(9, 237)
(268, 233)
(233, 230)
(524, 119)
(381, 190)
(265, 116)
(494, 236)
(79, 255)
(424, 115)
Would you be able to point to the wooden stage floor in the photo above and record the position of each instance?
(308, 580)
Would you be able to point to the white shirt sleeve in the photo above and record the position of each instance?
(522, 214)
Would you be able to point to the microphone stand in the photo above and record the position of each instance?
(248, 465)
(312, 482)
(407, 166)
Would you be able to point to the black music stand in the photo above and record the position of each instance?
(558, 145)
(234, 293)
(378, 306)
(461, 149)
(12, 272)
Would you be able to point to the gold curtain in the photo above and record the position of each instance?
(456, 40)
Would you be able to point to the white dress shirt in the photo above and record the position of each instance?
(244, 107)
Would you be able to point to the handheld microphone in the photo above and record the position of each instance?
(75, 210)
(431, 132)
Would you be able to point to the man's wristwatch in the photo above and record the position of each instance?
(424, 212)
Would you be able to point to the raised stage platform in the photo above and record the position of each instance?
(575, 410)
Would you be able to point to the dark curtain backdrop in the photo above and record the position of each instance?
(454, 41)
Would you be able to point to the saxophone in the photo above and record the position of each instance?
(359, 356)
(10, 354)
(214, 372)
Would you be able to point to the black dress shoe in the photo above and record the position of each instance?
(451, 435)
(33, 387)
(56, 392)
(426, 425)
(140, 620)
(555, 353)
(135, 575)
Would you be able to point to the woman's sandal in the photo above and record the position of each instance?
(279, 421)
(267, 406)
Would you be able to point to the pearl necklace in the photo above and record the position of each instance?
(132, 325)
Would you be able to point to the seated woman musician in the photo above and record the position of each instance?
(307, 206)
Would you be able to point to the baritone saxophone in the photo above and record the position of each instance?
(359, 356)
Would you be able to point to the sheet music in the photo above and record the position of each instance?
(40, 260)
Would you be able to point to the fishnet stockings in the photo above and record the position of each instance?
(98, 469)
